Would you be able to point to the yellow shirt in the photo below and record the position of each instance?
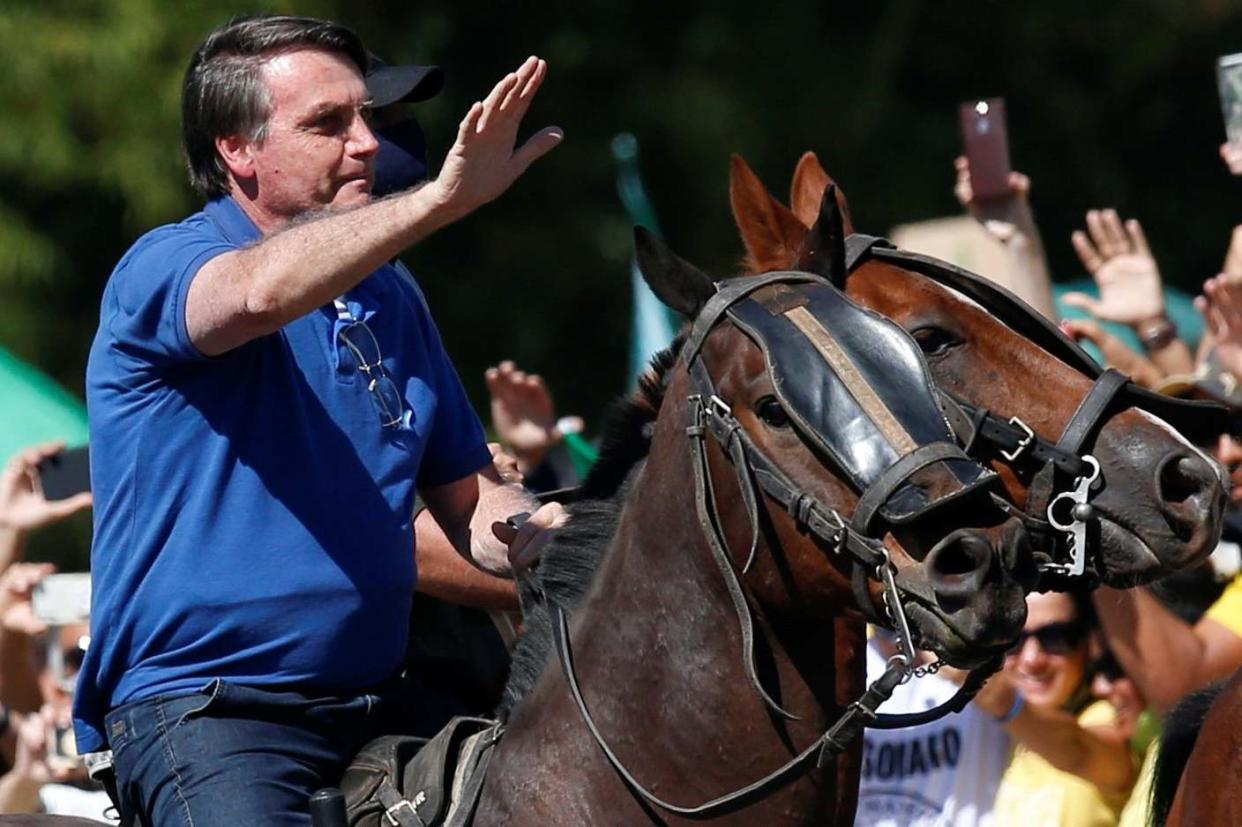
(1033, 793)
(1138, 808)
(1227, 610)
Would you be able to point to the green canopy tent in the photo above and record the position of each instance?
(34, 408)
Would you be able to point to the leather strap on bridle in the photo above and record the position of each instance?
(1092, 411)
(893, 477)
(862, 713)
(726, 295)
(1011, 438)
(833, 742)
(710, 524)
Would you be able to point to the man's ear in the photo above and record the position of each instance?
(237, 153)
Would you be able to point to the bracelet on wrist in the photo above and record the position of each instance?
(1157, 333)
(1015, 709)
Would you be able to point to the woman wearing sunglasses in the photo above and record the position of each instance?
(1072, 766)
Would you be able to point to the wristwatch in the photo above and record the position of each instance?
(1157, 333)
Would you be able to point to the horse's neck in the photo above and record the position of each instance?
(658, 645)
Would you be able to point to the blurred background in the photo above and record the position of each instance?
(1109, 104)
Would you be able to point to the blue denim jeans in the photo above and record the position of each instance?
(234, 755)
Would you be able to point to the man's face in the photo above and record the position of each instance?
(318, 151)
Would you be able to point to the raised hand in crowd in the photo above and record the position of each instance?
(1229, 454)
(523, 414)
(17, 584)
(1119, 258)
(23, 507)
(1232, 268)
(19, 630)
(1221, 306)
(19, 788)
(1232, 156)
(1011, 222)
(1116, 353)
(506, 464)
(1009, 219)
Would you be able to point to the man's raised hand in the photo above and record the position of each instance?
(485, 159)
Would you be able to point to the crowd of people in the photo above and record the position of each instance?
(220, 319)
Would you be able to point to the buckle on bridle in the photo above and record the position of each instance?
(1023, 443)
(839, 529)
(403, 803)
(717, 406)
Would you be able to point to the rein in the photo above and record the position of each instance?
(709, 414)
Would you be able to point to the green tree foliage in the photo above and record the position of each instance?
(1110, 104)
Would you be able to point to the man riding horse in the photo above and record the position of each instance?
(267, 391)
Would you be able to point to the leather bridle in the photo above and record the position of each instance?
(1058, 502)
(975, 427)
(856, 538)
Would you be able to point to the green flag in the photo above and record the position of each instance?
(652, 325)
(34, 408)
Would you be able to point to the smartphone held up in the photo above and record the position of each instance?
(67, 473)
(986, 142)
(1229, 85)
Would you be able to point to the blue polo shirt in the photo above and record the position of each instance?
(253, 518)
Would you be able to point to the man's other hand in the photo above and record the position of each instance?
(527, 541)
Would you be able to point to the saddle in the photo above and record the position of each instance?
(402, 781)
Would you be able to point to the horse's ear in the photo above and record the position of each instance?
(823, 250)
(675, 281)
(807, 191)
(770, 232)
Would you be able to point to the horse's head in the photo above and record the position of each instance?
(819, 443)
(1157, 502)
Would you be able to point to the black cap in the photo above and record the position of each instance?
(402, 84)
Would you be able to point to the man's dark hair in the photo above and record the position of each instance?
(224, 92)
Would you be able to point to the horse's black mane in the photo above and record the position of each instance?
(568, 563)
(1181, 732)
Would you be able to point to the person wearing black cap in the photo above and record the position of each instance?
(267, 393)
(401, 162)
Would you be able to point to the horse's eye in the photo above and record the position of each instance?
(771, 412)
(934, 341)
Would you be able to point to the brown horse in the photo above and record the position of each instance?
(1157, 503)
(1197, 769)
(656, 638)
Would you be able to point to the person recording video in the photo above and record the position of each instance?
(43, 637)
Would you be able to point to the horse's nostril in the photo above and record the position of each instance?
(1183, 483)
(1184, 477)
(956, 559)
(958, 564)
